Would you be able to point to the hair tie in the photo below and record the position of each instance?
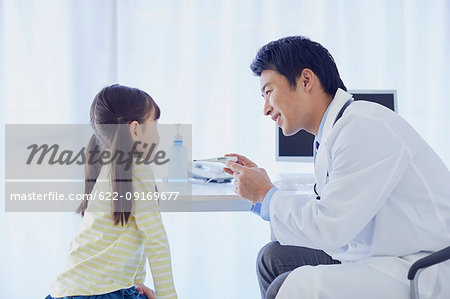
(121, 120)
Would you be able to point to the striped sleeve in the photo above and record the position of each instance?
(148, 221)
(140, 276)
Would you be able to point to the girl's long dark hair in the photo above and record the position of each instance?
(112, 109)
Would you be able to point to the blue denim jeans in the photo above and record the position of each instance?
(130, 293)
(275, 262)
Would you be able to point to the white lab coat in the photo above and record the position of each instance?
(385, 202)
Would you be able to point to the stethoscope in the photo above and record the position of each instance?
(341, 112)
(315, 191)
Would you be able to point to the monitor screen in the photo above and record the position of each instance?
(299, 147)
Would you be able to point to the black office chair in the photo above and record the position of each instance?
(430, 260)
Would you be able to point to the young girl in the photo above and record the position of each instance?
(108, 255)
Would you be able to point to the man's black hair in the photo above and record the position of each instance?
(290, 55)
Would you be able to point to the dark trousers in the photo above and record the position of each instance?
(275, 262)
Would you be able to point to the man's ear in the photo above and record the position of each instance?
(133, 127)
(306, 79)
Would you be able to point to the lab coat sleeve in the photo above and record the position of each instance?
(367, 161)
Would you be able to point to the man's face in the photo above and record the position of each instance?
(289, 107)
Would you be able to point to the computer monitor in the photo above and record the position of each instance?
(299, 147)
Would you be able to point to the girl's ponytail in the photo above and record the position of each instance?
(121, 175)
(91, 172)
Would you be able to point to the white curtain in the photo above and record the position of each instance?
(192, 57)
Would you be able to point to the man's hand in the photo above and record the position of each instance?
(251, 183)
(143, 289)
(242, 160)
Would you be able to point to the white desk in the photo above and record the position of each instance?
(215, 197)
(211, 197)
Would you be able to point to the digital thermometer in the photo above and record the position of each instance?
(218, 159)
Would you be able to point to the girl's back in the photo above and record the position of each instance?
(104, 257)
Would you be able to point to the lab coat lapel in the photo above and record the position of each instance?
(322, 163)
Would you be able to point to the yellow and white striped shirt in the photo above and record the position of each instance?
(104, 257)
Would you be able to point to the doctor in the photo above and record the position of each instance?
(382, 201)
